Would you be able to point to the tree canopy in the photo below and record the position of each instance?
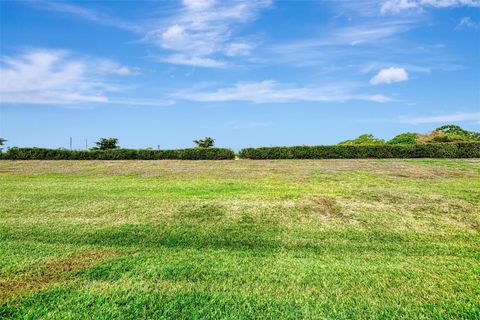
(363, 139)
(404, 138)
(2, 142)
(107, 144)
(445, 133)
(205, 143)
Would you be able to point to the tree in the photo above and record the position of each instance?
(106, 144)
(455, 133)
(367, 139)
(205, 143)
(2, 142)
(404, 138)
(452, 129)
(448, 133)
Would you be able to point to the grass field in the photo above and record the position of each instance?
(329, 239)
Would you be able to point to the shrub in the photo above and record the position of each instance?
(404, 138)
(437, 150)
(448, 137)
(118, 154)
(367, 139)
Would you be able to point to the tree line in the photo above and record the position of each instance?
(446, 133)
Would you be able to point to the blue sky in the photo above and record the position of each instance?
(248, 73)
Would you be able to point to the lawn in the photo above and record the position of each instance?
(327, 239)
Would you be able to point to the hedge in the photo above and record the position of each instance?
(117, 154)
(432, 150)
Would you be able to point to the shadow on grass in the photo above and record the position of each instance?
(238, 235)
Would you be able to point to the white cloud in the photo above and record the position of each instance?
(457, 117)
(194, 61)
(390, 75)
(204, 30)
(467, 22)
(85, 13)
(56, 77)
(273, 92)
(238, 49)
(106, 66)
(397, 6)
(378, 98)
(355, 35)
(333, 49)
(198, 4)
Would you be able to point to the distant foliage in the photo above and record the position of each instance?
(448, 133)
(205, 143)
(2, 142)
(364, 139)
(437, 136)
(106, 144)
(456, 131)
(119, 154)
(453, 129)
(431, 150)
(404, 138)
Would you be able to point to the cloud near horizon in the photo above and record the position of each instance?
(270, 91)
(389, 75)
(42, 76)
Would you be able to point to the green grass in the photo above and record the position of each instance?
(328, 239)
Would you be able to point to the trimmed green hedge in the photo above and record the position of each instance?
(432, 150)
(118, 154)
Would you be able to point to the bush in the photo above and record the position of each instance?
(404, 138)
(367, 139)
(437, 150)
(118, 154)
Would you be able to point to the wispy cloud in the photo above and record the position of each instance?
(57, 77)
(85, 13)
(456, 117)
(194, 61)
(202, 33)
(370, 33)
(273, 92)
(397, 6)
(336, 45)
(467, 22)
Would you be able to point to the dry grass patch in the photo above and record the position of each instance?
(50, 272)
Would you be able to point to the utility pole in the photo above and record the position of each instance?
(86, 144)
(70, 143)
